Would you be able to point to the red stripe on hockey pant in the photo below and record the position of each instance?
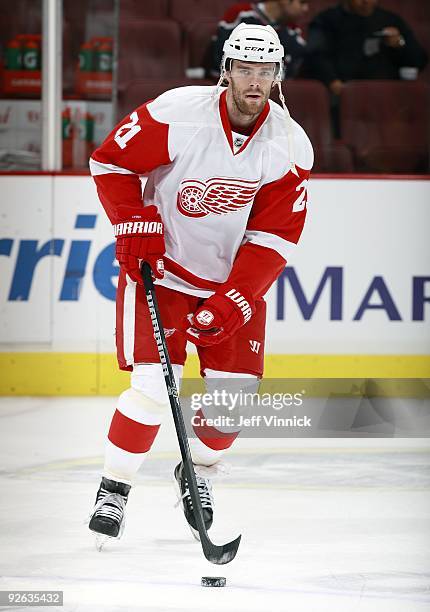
(130, 435)
(119, 332)
(210, 436)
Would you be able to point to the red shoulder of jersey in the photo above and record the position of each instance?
(137, 145)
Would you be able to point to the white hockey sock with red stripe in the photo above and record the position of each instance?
(137, 420)
(133, 429)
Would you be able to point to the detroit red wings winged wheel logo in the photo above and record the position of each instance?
(216, 195)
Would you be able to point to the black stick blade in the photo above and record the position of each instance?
(219, 555)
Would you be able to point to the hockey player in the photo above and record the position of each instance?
(223, 206)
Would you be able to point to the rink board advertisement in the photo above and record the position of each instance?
(355, 294)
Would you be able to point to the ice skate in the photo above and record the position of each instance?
(184, 498)
(107, 517)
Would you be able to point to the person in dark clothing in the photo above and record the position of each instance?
(282, 15)
(359, 40)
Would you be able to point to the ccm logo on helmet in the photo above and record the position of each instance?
(254, 48)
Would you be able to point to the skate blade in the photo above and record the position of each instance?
(100, 541)
(195, 533)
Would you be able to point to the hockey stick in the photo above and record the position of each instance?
(213, 553)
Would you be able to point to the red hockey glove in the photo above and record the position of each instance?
(141, 238)
(220, 317)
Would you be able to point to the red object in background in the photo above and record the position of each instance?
(86, 57)
(77, 137)
(94, 84)
(22, 74)
(94, 70)
(13, 55)
(67, 137)
(83, 144)
(384, 124)
(31, 59)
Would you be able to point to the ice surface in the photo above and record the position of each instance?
(339, 524)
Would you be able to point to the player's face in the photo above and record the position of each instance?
(250, 84)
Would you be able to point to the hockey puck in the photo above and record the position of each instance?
(213, 581)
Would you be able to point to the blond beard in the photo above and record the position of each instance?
(247, 108)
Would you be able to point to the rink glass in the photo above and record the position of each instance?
(88, 77)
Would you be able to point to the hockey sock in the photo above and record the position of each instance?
(210, 444)
(133, 429)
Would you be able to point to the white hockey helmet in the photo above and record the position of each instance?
(254, 43)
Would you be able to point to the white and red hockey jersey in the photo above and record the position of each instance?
(233, 210)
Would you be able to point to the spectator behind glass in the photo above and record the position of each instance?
(358, 40)
(282, 15)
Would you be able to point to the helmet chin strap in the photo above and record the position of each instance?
(220, 80)
(289, 126)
